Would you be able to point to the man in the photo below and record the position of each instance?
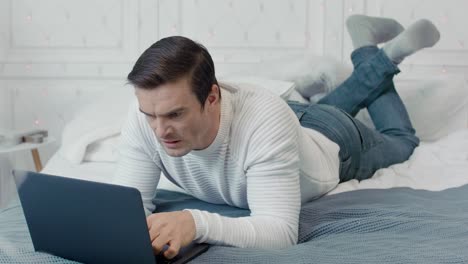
(247, 148)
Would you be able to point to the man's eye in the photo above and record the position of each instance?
(150, 118)
(175, 115)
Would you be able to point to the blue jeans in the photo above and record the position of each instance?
(363, 150)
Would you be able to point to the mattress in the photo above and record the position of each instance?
(433, 166)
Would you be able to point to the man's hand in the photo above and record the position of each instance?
(175, 229)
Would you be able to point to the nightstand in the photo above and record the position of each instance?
(33, 147)
(7, 185)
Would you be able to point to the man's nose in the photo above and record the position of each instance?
(161, 128)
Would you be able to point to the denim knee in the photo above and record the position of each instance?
(411, 142)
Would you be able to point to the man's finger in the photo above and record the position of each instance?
(149, 221)
(154, 233)
(173, 250)
(159, 242)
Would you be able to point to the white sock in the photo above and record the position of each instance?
(367, 30)
(421, 34)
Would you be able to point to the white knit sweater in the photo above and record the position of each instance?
(261, 159)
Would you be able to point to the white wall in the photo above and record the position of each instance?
(5, 106)
(55, 55)
(450, 55)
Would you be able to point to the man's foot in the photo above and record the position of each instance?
(370, 31)
(421, 34)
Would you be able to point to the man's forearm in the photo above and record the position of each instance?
(245, 232)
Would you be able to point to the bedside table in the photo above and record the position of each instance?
(7, 185)
(33, 147)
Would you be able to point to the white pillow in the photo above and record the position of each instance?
(281, 88)
(311, 74)
(437, 106)
(104, 150)
(99, 120)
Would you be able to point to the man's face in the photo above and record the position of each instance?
(177, 118)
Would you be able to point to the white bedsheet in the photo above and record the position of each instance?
(433, 166)
(92, 171)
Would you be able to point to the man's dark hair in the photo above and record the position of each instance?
(171, 59)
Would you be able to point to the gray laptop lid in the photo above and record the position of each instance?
(84, 221)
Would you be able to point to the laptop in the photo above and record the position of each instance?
(89, 222)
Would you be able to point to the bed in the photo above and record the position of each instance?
(416, 211)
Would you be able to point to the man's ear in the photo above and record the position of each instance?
(213, 96)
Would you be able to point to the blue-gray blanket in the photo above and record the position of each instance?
(398, 225)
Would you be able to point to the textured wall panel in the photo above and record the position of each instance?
(55, 30)
(245, 31)
(5, 106)
(449, 16)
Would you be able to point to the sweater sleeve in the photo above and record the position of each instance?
(273, 190)
(135, 166)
